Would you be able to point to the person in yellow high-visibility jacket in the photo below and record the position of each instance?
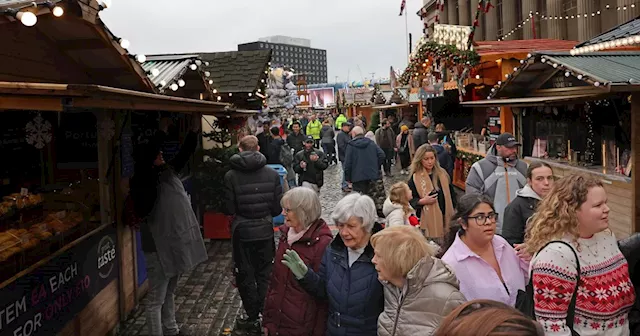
(313, 129)
(340, 120)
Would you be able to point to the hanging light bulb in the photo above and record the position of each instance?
(567, 74)
(27, 18)
(124, 43)
(580, 77)
(105, 4)
(155, 72)
(163, 83)
(181, 83)
(198, 62)
(215, 91)
(193, 67)
(477, 76)
(250, 94)
(141, 58)
(219, 98)
(56, 10)
(210, 82)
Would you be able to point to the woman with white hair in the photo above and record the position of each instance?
(419, 289)
(347, 278)
(289, 309)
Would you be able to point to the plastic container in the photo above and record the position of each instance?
(279, 220)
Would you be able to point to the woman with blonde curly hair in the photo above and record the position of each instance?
(396, 208)
(488, 318)
(578, 270)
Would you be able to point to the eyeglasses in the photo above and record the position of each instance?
(481, 219)
(286, 211)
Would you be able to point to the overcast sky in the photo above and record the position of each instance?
(360, 36)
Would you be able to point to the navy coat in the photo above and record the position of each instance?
(354, 294)
(362, 160)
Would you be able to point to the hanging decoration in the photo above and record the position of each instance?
(106, 129)
(589, 151)
(446, 55)
(483, 7)
(38, 132)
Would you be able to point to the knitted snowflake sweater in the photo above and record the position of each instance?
(605, 293)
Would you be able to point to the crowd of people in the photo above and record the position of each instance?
(520, 253)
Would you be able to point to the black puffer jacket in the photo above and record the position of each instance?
(517, 213)
(630, 248)
(253, 193)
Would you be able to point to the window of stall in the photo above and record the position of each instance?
(592, 134)
(49, 186)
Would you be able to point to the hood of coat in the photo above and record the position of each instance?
(326, 128)
(419, 125)
(361, 142)
(528, 192)
(430, 270)
(316, 231)
(247, 161)
(388, 207)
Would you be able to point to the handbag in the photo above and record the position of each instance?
(524, 300)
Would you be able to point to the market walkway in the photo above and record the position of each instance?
(206, 301)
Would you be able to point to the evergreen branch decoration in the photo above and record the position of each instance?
(449, 54)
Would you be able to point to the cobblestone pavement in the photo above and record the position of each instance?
(206, 301)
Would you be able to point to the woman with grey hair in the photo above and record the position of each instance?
(347, 278)
(289, 309)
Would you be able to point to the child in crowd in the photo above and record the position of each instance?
(397, 209)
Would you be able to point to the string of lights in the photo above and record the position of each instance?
(585, 15)
(26, 14)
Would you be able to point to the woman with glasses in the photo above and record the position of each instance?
(289, 309)
(485, 264)
(433, 195)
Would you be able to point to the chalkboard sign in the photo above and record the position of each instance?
(170, 149)
(21, 162)
(45, 300)
(77, 141)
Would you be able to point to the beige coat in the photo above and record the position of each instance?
(431, 293)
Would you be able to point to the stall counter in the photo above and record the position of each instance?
(465, 158)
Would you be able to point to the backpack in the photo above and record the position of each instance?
(524, 300)
(286, 156)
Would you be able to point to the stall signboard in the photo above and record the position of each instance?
(45, 300)
(126, 153)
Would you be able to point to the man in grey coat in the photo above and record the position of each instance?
(421, 132)
(499, 175)
(170, 232)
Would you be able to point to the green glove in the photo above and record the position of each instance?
(292, 260)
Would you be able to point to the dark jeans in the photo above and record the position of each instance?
(253, 262)
(316, 143)
(329, 152)
(389, 154)
(405, 159)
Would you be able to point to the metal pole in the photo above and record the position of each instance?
(406, 26)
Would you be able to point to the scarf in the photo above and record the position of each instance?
(293, 237)
(432, 220)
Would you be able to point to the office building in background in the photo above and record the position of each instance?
(296, 53)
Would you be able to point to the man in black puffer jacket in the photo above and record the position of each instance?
(253, 193)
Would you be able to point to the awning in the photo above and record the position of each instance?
(529, 101)
(58, 97)
(386, 107)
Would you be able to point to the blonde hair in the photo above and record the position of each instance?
(556, 214)
(398, 195)
(249, 143)
(400, 248)
(417, 167)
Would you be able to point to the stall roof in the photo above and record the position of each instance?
(75, 48)
(527, 101)
(59, 97)
(386, 107)
(551, 73)
(237, 71)
(493, 50)
(171, 68)
(630, 28)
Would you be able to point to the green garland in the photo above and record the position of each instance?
(449, 53)
(473, 158)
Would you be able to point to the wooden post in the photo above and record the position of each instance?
(635, 158)
(506, 114)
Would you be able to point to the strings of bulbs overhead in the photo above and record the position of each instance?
(27, 13)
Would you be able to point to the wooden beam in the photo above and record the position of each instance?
(83, 44)
(30, 103)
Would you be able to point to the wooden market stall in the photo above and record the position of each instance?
(68, 264)
(579, 113)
